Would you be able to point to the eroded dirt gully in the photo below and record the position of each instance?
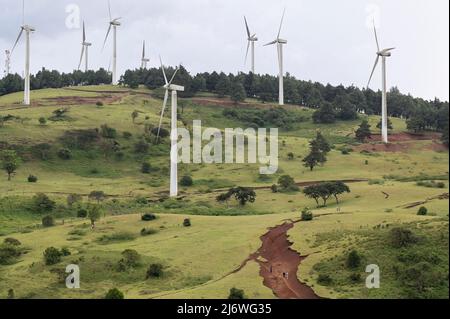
(276, 257)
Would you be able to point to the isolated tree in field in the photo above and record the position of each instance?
(134, 116)
(99, 196)
(353, 260)
(236, 294)
(312, 192)
(73, 199)
(338, 188)
(323, 144)
(363, 132)
(238, 92)
(114, 294)
(244, 195)
(42, 203)
(291, 156)
(390, 125)
(10, 162)
(42, 121)
(315, 157)
(94, 213)
(320, 191)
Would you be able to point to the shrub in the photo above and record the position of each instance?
(141, 147)
(324, 280)
(65, 154)
(48, 221)
(187, 222)
(236, 294)
(12, 242)
(131, 259)
(355, 277)
(274, 188)
(423, 211)
(147, 217)
(146, 168)
(108, 132)
(114, 294)
(186, 181)
(353, 260)
(116, 237)
(65, 252)
(99, 104)
(9, 254)
(52, 256)
(73, 199)
(148, 231)
(41, 203)
(307, 215)
(11, 294)
(82, 213)
(42, 120)
(127, 135)
(401, 237)
(32, 179)
(155, 271)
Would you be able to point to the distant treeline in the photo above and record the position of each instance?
(45, 79)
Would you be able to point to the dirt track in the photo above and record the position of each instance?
(278, 258)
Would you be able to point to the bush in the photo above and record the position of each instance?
(186, 181)
(9, 254)
(82, 213)
(355, 277)
(127, 135)
(353, 260)
(324, 280)
(65, 154)
(131, 259)
(146, 168)
(12, 242)
(11, 294)
(307, 215)
(41, 203)
(401, 237)
(116, 237)
(32, 179)
(114, 294)
(187, 222)
(42, 120)
(287, 184)
(52, 256)
(65, 252)
(99, 104)
(423, 211)
(147, 217)
(236, 294)
(48, 221)
(108, 132)
(141, 147)
(155, 271)
(274, 188)
(148, 231)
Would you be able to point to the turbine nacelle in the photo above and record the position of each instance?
(115, 22)
(28, 28)
(86, 44)
(173, 87)
(385, 53)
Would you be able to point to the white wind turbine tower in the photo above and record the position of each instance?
(113, 24)
(174, 129)
(384, 113)
(280, 42)
(144, 60)
(84, 51)
(27, 29)
(251, 43)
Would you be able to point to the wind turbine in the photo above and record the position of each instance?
(174, 130)
(280, 42)
(84, 51)
(251, 43)
(144, 60)
(384, 113)
(113, 24)
(27, 29)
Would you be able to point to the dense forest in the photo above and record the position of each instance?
(332, 102)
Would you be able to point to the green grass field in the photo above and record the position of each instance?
(201, 261)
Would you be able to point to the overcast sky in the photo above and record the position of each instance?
(329, 41)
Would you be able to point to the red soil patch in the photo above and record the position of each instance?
(78, 100)
(401, 142)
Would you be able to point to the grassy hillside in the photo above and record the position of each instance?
(204, 261)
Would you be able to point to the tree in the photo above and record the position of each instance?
(186, 181)
(312, 192)
(338, 188)
(236, 294)
(48, 221)
(238, 92)
(42, 203)
(322, 143)
(347, 112)
(10, 162)
(363, 132)
(353, 260)
(94, 213)
(291, 156)
(287, 183)
(307, 214)
(224, 198)
(114, 294)
(325, 115)
(52, 256)
(99, 196)
(134, 116)
(42, 120)
(155, 271)
(390, 125)
(223, 86)
(315, 157)
(244, 195)
(73, 199)
(444, 137)
(423, 211)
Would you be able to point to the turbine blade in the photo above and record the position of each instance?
(143, 51)
(281, 24)
(373, 70)
(387, 50)
(17, 41)
(166, 97)
(84, 33)
(376, 36)
(164, 72)
(81, 57)
(270, 43)
(109, 10)
(246, 25)
(106, 38)
(173, 76)
(23, 12)
(246, 55)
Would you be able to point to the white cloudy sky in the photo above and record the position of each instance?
(329, 40)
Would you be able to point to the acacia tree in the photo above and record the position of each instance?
(10, 162)
(338, 188)
(99, 196)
